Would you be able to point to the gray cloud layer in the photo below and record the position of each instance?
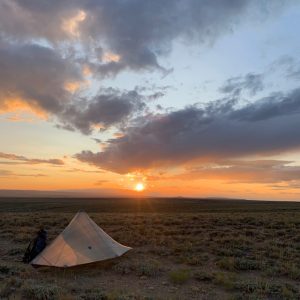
(222, 131)
(257, 171)
(110, 108)
(36, 75)
(39, 42)
(138, 31)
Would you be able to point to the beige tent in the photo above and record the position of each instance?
(82, 242)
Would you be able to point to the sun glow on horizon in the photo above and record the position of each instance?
(139, 187)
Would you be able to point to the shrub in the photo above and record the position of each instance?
(4, 269)
(38, 291)
(265, 289)
(226, 263)
(148, 268)
(250, 287)
(94, 295)
(123, 267)
(227, 280)
(246, 264)
(242, 264)
(120, 295)
(203, 276)
(273, 270)
(179, 276)
(9, 286)
(193, 260)
(291, 270)
(15, 252)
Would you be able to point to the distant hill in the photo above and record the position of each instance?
(79, 193)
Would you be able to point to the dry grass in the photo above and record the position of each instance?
(182, 250)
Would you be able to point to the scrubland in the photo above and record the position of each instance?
(182, 249)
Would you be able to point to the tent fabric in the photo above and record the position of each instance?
(82, 242)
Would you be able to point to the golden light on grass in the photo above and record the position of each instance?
(139, 187)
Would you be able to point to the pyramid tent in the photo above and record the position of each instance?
(82, 242)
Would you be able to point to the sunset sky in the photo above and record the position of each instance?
(195, 98)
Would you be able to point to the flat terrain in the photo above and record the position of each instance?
(183, 249)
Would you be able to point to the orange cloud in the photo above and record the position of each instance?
(72, 86)
(86, 70)
(111, 57)
(118, 134)
(71, 25)
(97, 126)
(17, 104)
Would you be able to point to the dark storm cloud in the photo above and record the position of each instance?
(38, 76)
(138, 31)
(276, 105)
(111, 36)
(19, 159)
(251, 83)
(107, 109)
(204, 134)
(22, 19)
(35, 75)
(141, 31)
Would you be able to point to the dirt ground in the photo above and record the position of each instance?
(182, 249)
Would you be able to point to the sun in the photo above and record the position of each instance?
(139, 187)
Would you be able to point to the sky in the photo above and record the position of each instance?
(195, 98)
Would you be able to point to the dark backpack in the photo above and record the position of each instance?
(36, 246)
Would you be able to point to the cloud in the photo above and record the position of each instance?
(137, 33)
(219, 131)
(76, 170)
(19, 159)
(289, 65)
(100, 182)
(98, 141)
(35, 76)
(255, 171)
(276, 105)
(7, 173)
(43, 68)
(110, 108)
(140, 32)
(286, 185)
(251, 83)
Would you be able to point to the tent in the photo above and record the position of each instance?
(82, 242)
